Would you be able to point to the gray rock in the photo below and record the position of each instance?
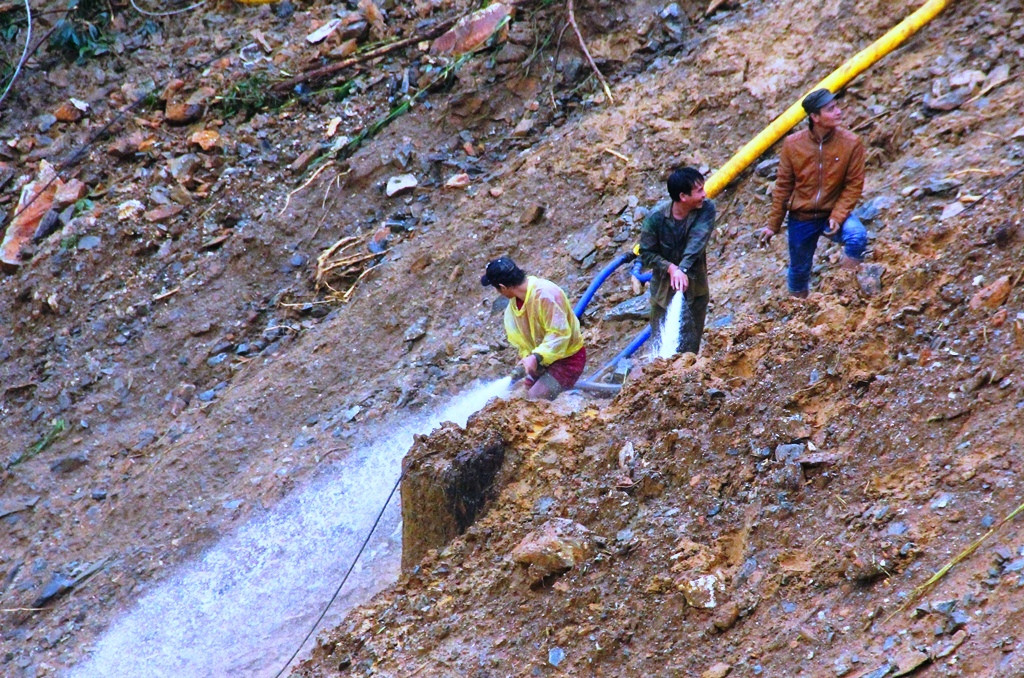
(583, 244)
(896, 529)
(947, 102)
(88, 242)
(45, 121)
(637, 308)
(789, 452)
(69, 463)
(58, 585)
(417, 330)
(768, 169)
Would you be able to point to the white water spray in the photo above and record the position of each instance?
(244, 606)
(668, 339)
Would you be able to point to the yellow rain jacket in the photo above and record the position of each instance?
(545, 325)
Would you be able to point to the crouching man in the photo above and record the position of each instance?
(540, 323)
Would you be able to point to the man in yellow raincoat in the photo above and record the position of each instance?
(540, 323)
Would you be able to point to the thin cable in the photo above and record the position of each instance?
(171, 13)
(24, 53)
(992, 190)
(343, 580)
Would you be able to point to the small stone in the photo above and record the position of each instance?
(69, 463)
(67, 112)
(719, 670)
(524, 128)
(532, 214)
(951, 210)
(909, 660)
(785, 453)
(726, 616)
(555, 656)
(182, 113)
(400, 184)
(459, 181)
(45, 121)
(417, 330)
(896, 529)
(701, 592)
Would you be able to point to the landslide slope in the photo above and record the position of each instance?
(189, 357)
(905, 409)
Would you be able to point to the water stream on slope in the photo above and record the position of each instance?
(242, 608)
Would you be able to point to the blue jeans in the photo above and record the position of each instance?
(803, 239)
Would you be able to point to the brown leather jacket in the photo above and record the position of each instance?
(818, 178)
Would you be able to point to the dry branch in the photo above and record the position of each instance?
(586, 52)
(320, 73)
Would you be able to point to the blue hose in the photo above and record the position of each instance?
(642, 277)
(581, 305)
(634, 345)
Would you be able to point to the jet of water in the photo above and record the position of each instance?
(668, 338)
(241, 608)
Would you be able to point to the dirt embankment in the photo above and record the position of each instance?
(166, 345)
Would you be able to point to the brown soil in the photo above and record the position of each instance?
(912, 398)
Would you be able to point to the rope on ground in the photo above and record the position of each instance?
(343, 579)
(171, 13)
(24, 53)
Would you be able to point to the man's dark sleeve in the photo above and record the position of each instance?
(699, 235)
(649, 240)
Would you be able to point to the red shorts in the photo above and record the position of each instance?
(567, 370)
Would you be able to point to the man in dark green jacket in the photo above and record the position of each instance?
(672, 243)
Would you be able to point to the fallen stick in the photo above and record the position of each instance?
(923, 588)
(586, 52)
(318, 73)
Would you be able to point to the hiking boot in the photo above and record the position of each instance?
(869, 277)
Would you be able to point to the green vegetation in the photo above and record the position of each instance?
(247, 96)
(80, 34)
(57, 427)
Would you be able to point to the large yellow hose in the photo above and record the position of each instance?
(844, 74)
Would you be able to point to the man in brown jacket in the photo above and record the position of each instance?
(820, 180)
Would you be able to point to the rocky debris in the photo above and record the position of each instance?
(559, 545)
(35, 200)
(447, 482)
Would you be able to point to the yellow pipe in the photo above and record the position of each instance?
(844, 74)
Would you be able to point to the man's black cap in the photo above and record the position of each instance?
(817, 100)
(501, 271)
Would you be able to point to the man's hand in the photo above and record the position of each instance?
(531, 365)
(833, 227)
(677, 278)
(764, 236)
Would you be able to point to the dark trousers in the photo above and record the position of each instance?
(691, 327)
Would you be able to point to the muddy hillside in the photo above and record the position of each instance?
(242, 241)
